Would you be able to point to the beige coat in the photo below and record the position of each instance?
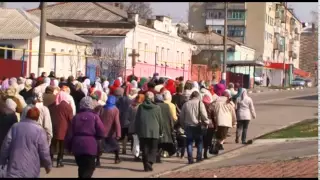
(225, 112)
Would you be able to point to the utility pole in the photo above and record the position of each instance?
(43, 34)
(224, 68)
(284, 45)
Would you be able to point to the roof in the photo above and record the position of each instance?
(85, 11)
(244, 63)
(98, 31)
(212, 38)
(18, 24)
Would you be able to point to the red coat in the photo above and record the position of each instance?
(61, 116)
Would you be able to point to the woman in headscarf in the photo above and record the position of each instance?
(188, 89)
(78, 95)
(13, 82)
(8, 118)
(61, 115)
(134, 90)
(15, 101)
(5, 84)
(135, 148)
(170, 86)
(44, 118)
(231, 88)
(85, 131)
(27, 92)
(226, 118)
(21, 82)
(110, 118)
(52, 75)
(49, 97)
(207, 139)
(98, 85)
(105, 86)
(142, 81)
(167, 99)
(97, 95)
(41, 86)
(70, 99)
(115, 85)
(54, 83)
(219, 89)
(245, 112)
(86, 86)
(25, 148)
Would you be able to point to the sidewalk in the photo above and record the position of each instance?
(296, 168)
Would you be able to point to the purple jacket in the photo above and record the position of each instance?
(86, 128)
(24, 149)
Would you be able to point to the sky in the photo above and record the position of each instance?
(178, 11)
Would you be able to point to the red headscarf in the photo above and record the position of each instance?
(115, 85)
(211, 89)
(171, 86)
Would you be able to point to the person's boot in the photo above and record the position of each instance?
(117, 160)
(98, 164)
(205, 154)
(124, 145)
(237, 140)
(60, 163)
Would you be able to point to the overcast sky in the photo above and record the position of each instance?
(178, 11)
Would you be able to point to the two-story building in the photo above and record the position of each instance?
(19, 35)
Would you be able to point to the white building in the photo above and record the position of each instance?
(20, 30)
(115, 33)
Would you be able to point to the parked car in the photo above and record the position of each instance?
(258, 80)
(298, 81)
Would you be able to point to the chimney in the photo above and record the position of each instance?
(133, 17)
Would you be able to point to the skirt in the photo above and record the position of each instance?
(222, 132)
(110, 145)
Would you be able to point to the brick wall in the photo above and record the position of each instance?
(308, 52)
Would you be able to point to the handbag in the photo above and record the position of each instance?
(201, 125)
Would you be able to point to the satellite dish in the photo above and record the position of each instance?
(194, 48)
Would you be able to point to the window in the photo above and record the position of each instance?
(5, 53)
(178, 58)
(53, 60)
(236, 31)
(271, 21)
(96, 52)
(182, 56)
(162, 54)
(219, 32)
(216, 14)
(240, 15)
(139, 49)
(157, 51)
(62, 56)
(145, 51)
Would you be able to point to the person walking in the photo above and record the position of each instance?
(61, 116)
(149, 130)
(85, 131)
(8, 118)
(226, 118)
(109, 115)
(135, 148)
(27, 91)
(25, 148)
(49, 97)
(245, 112)
(194, 120)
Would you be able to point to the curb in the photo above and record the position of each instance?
(224, 155)
(268, 90)
(283, 140)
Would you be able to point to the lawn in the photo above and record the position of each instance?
(307, 128)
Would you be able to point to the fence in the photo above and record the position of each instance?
(109, 64)
(150, 62)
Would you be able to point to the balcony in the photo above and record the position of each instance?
(277, 30)
(214, 22)
(231, 6)
(280, 15)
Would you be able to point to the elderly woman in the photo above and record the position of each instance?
(21, 82)
(25, 148)
(70, 99)
(225, 118)
(8, 118)
(27, 91)
(231, 88)
(167, 99)
(61, 115)
(44, 118)
(83, 135)
(49, 97)
(15, 101)
(78, 95)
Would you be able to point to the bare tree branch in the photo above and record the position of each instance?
(142, 8)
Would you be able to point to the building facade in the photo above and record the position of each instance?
(64, 51)
(212, 15)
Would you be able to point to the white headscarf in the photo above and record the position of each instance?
(105, 87)
(120, 79)
(98, 86)
(47, 81)
(86, 86)
(55, 83)
(134, 84)
(11, 104)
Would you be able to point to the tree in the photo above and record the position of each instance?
(142, 8)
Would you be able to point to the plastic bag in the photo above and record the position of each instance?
(136, 145)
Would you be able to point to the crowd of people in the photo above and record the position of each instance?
(44, 116)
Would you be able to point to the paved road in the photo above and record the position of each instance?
(274, 110)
